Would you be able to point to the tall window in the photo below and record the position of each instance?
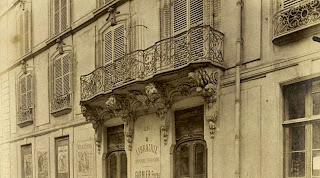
(25, 108)
(190, 152)
(60, 15)
(116, 157)
(114, 51)
(24, 18)
(187, 14)
(302, 129)
(61, 84)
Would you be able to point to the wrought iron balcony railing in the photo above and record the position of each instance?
(199, 44)
(297, 17)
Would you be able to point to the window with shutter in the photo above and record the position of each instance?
(187, 14)
(24, 31)
(60, 16)
(61, 77)
(114, 46)
(289, 3)
(25, 112)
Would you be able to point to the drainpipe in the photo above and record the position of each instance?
(238, 89)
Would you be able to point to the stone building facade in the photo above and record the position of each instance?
(159, 88)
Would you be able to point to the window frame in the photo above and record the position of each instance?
(28, 111)
(64, 143)
(308, 122)
(55, 32)
(26, 150)
(62, 104)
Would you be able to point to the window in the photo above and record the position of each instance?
(114, 51)
(187, 14)
(60, 15)
(25, 106)
(290, 3)
(302, 129)
(103, 2)
(24, 25)
(62, 157)
(116, 157)
(190, 152)
(61, 84)
(27, 163)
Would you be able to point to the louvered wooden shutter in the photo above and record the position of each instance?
(23, 93)
(196, 18)
(26, 31)
(29, 91)
(288, 3)
(64, 18)
(118, 53)
(56, 16)
(21, 36)
(180, 16)
(108, 47)
(66, 74)
(58, 77)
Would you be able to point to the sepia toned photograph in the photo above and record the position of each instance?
(160, 88)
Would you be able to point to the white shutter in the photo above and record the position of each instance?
(196, 12)
(66, 74)
(56, 16)
(29, 91)
(64, 17)
(288, 3)
(21, 36)
(119, 42)
(23, 90)
(58, 77)
(180, 16)
(196, 18)
(108, 47)
(26, 31)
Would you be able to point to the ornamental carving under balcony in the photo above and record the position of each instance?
(297, 17)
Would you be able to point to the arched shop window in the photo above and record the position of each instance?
(116, 156)
(190, 151)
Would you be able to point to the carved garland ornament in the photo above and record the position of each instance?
(206, 80)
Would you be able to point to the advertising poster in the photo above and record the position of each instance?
(43, 164)
(28, 165)
(63, 162)
(85, 158)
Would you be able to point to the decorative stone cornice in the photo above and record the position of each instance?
(206, 80)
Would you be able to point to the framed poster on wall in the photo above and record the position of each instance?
(62, 157)
(26, 158)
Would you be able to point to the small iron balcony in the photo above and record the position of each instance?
(294, 20)
(197, 45)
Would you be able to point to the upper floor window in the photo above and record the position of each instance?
(289, 3)
(187, 14)
(25, 104)
(116, 157)
(114, 41)
(190, 151)
(302, 129)
(24, 30)
(61, 80)
(60, 16)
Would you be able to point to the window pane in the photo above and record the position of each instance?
(297, 138)
(296, 164)
(184, 160)
(316, 136)
(112, 172)
(295, 95)
(316, 97)
(123, 165)
(316, 163)
(199, 159)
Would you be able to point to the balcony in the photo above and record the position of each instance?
(198, 45)
(296, 22)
